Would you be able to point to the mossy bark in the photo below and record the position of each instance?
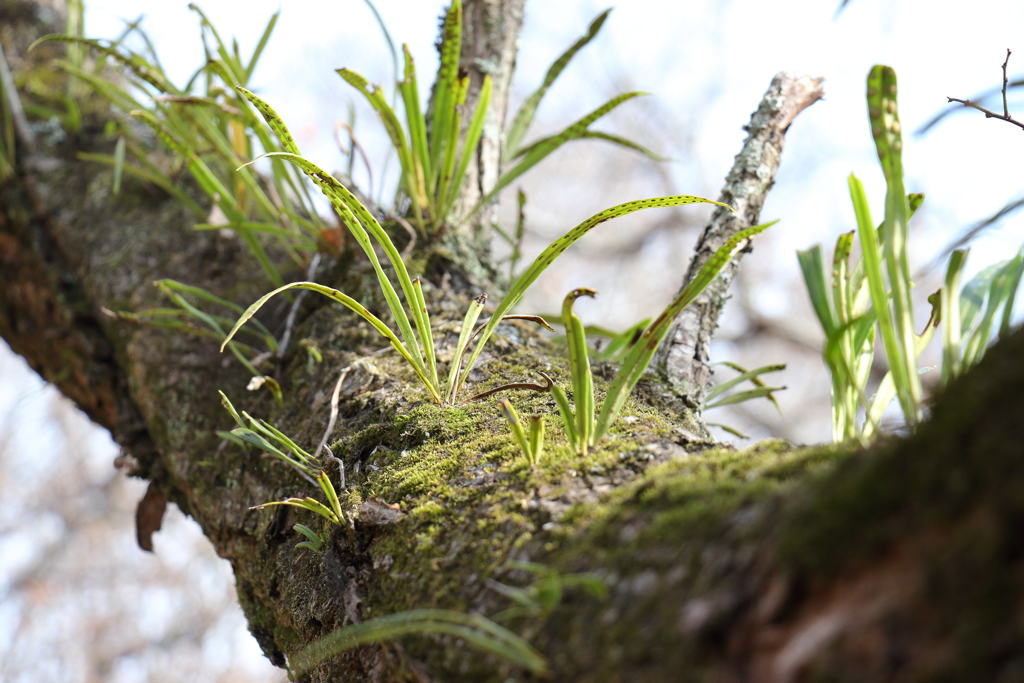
(771, 564)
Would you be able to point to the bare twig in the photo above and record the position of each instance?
(356, 147)
(1006, 110)
(968, 235)
(334, 413)
(289, 324)
(409, 229)
(1005, 116)
(988, 114)
(337, 461)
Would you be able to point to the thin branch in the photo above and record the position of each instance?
(409, 229)
(1005, 116)
(682, 359)
(289, 324)
(1006, 110)
(988, 113)
(334, 413)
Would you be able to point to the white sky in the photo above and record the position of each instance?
(706, 63)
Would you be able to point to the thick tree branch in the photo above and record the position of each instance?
(682, 359)
(768, 565)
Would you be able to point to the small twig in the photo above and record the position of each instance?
(341, 466)
(1005, 116)
(1006, 110)
(356, 147)
(334, 413)
(289, 324)
(988, 114)
(409, 229)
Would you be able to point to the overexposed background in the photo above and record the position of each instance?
(69, 570)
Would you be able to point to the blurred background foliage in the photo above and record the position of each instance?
(80, 602)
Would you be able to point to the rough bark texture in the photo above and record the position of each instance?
(489, 41)
(772, 564)
(682, 359)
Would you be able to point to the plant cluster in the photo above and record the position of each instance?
(585, 425)
(213, 133)
(854, 302)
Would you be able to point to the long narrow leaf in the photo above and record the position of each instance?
(139, 65)
(254, 60)
(719, 389)
(623, 142)
(418, 144)
(356, 216)
(951, 327)
(879, 297)
(741, 396)
(568, 416)
(447, 79)
(640, 357)
(310, 504)
(349, 303)
(885, 128)
(512, 417)
(474, 629)
(622, 342)
(812, 265)
(1014, 285)
(524, 117)
(450, 147)
(579, 364)
(555, 249)
(163, 182)
(476, 128)
(540, 151)
(476, 307)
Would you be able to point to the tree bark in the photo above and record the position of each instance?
(489, 47)
(772, 564)
(682, 359)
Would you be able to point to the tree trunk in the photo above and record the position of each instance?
(772, 564)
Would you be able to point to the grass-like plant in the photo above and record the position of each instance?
(530, 438)
(433, 163)
(540, 598)
(263, 435)
(189, 318)
(584, 424)
(760, 390)
(969, 320)
(211, 131)
(209, 126)
(854, 302)
(474, 630)
(417, 348)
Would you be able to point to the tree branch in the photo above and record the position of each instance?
(682, 359)
(1005, 116)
